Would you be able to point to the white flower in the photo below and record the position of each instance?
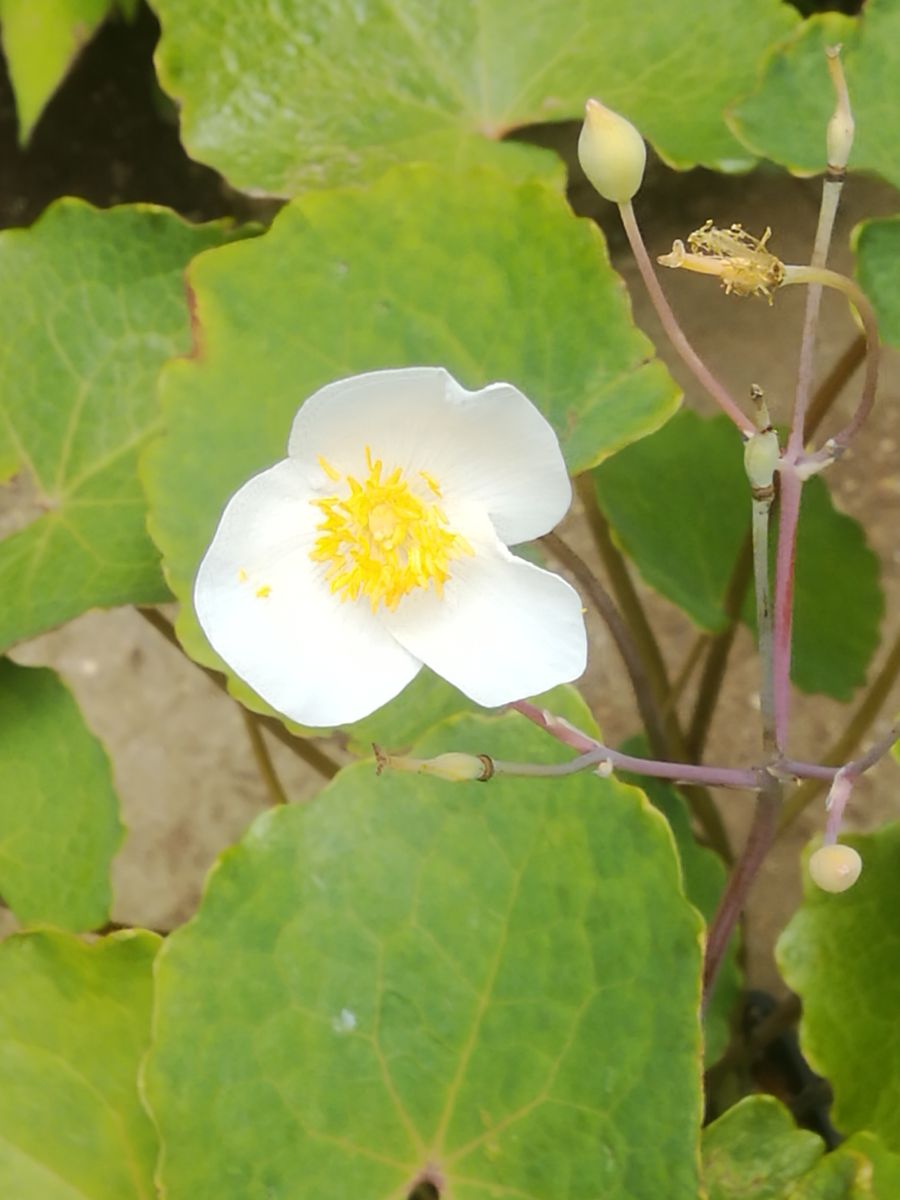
(380, 544)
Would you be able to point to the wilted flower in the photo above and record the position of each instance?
(742, 262)
(380, 544)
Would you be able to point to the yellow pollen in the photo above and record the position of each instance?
(263, 592)
(382, 540)
(743, 262)
(242, 575)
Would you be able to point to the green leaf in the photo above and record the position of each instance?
(426, 702)
(680, 507)
(841, 954)
(877, 246)
(406, 976)
(91, 304)
(704, 876)
(74, 1024)
(41, 42)
(59, 816)
(755, 1152)
(838, 600)
(291, 96)
(786, 118)
(491, 280)
(679, 504)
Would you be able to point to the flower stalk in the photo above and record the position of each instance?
(673, 330)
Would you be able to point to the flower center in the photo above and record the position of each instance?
(382, 539)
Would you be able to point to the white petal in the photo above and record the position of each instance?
(318, 661)
(503, 629)
(491, 447)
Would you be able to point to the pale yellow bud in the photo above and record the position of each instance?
(611, 152)
(453, 766)
(835, 868)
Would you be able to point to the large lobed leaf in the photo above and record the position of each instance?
(74, 1023)
(91, 304)
(290, 95)
(841, 954)
(491, 280)
(411, 979)
(755, 1152)
(679, 503)
(59, 815)
(786, 118)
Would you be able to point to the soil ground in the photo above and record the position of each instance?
(182, 761)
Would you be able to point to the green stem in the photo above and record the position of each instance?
(629, 602)
(819, 277)
(648, 707)
(263, 759)
(760, 526)
(702, 804)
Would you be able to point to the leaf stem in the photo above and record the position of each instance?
(673, 330)
(632, 610)
(629, 602)
(740, 881)
(263, 759)
(644, 694)
(564, 731)
(311, 754)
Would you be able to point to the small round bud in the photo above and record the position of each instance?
(611, 152)
(835, 868)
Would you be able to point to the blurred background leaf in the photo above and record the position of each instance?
(288, 96)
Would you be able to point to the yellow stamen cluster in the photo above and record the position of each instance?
(383, 539)
(739, 259)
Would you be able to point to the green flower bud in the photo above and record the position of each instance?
(611, 152)
(453, 766)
